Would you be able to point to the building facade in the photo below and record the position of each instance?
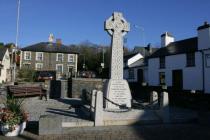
(5, 71)
(136, 65)
(184, 64)
(49, 56)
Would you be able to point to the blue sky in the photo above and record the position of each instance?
(75, 21)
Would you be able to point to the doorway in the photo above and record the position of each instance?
(177, 77)
(140, 76)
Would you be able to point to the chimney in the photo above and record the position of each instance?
(51, 38)
(166, 39)
(149, 48)
(58, 42)
(204, 36)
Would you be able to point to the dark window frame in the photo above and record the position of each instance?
(131, 74)
(190, 59)
(164, 78)
(207, 56)
(162, 62)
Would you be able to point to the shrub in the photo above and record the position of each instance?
(27, 75)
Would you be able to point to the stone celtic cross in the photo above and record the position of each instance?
(117, 27)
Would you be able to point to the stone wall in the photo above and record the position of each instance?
(79, 85)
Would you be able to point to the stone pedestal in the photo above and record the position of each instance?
(64, 88)
(99, 119)
(118, 91)
(164, 107)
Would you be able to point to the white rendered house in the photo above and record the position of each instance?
(4, 65)
(135, 64)
(184, 64)
(132, 64)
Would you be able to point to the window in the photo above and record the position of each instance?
(39, 66)
(162, 78)
(131, 74)
(39, 56)
(59, 57)
(207, 60)
(27, 55)
(162, 62)
(190, 59)
(70, 58)
(59, 68)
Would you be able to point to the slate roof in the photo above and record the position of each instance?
(145, 51)
(178, 47)
(126, 57)
(2, 52)
(49, 47)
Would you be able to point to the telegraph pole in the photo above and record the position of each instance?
(16, 41)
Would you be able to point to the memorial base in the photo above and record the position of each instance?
(118, 92)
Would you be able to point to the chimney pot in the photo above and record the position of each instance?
(205, 23)
(59, 42)
(51, 38)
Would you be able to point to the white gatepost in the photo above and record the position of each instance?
(93, 100)
(164, 107)
(99, 120)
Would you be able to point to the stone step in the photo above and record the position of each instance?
(77, 124)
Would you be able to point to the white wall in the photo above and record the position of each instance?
(192, 76)
(207, 74)
(6, 66)
(153, 72)
(145, 74)
(204, 38)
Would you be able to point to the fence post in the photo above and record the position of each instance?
(154, 98)
(98, 121)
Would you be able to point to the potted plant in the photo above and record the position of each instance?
(12, 117)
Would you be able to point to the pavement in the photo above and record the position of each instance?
(67, 109)
(142, 132)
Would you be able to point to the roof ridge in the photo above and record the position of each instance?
(182, 40)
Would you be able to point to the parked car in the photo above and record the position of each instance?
(87, 74)
(44, 75)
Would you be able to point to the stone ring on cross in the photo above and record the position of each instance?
(116, 24)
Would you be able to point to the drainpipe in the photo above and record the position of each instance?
(203, 70)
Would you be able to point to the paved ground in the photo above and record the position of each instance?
(144, 132)
(62, 107)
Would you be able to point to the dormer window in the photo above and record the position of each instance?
(190, 59)
(59, 57)
(27, 55)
